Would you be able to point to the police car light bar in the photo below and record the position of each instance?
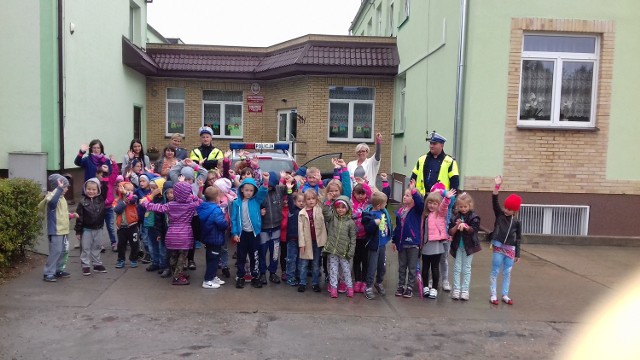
(258, 146)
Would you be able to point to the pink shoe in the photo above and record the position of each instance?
(329, 287)
(342, 287)
(350, 292)
(334, 292)
(357, 287)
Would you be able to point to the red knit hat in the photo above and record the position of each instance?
(513, 202)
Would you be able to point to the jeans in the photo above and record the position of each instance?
(58, 247)
(224, 251)
(248, 245)
(212, 256)
(377, 266)
(109, 217)
(315, 267)
(462, 265)
(407, 261)
(500, 260)
(444, 261)
(157, 249)
(269, 242)
(144, 237)
(292, 259)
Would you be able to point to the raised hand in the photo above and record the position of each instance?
(378, 138)
(498, 180)
(180, 177)
(60, 183)
(451, 193)
(342, 163)
(412, 184)
(383, 176)
(227, 154)
(131, 154)
(84, 147)
(188, 162)
(265, 177)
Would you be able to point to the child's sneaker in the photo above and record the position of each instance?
(349, 292)
(400, 290)
(333, 292)
(358, 287)
(302, 288)
(493, 300)
(464, 295)
(455, 294)
(119, 264)
(165, 273)
(240, 283)
(180, 280)
(255, 282)
(217, 280)
(99, 268)
(368, 292)
(446, 286)
(210, 285)
(62, 274)
(133, 264)
(226, 272)
(433, 293)
(408, 292)
(507, 300)
(263, 279)
(380, 289)
(425, 291)
(192, 265)
(49, 278)
(316, 288)
(329, 287)
(86, 271)
(274, 278)
(342, 287)
(292, 282)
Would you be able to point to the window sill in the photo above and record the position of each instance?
(398, 133)
(351, 141)
(556, 127)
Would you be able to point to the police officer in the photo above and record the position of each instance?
(206, 155)
(435, 166)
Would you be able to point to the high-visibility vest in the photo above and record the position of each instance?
(443, 175)
(215, 154)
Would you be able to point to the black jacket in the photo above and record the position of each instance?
(292, 223)
(91, 210)
(507, 229)
(469, 239)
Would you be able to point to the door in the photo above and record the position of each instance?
(137, 122)
(287, 128)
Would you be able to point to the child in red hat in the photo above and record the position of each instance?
(505, 241)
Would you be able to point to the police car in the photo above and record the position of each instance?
(276, 157)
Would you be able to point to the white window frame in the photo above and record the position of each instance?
(350, 126)
(558, 59)
(166, 110)
(223, 120)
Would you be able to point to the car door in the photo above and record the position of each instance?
(323, 162)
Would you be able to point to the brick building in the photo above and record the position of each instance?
(322, 93)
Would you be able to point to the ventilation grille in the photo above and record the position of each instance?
(555, 219)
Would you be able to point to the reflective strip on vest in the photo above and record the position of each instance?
(196, 155)
(443, 176)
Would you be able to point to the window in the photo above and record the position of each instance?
(558, 81)
(135, 19)
(175, 111)
(380, 31)
(222, 110)
(391, 23)
(351, 113)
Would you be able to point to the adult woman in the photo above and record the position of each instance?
(167, 161)
(363, 167)
(90, 163)
(136, 151)
(176, 141)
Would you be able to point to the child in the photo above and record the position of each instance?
(505, 240)
(144, 180)
(463, 229)
(57, 218)
(444, 260)
(157, 251)
(125, 207)
(90, 223)
(179, 238)
(377, 224)
(245, 227)
(213, 224)
(312, 235)
(434, 234)
(406, 239)
(295, 204)
(228, 195)
(314, 180)
(361, 199)
(341, 241)
(161, 225)
(270, 232)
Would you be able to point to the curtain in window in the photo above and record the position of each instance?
(577, 84)
(536, 93)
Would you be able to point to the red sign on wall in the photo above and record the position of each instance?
(255, 108)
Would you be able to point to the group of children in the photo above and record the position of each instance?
(295, 220)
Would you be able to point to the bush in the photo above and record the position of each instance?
(20, 222)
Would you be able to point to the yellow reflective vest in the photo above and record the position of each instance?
(443, 175)
(215, 154)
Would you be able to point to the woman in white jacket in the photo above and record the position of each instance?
(364, 167)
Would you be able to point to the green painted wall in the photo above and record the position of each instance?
(49, 85)
(100, 91)
(20, 71)
(487, 71)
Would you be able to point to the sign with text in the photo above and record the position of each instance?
(255, 99)
(253, 108)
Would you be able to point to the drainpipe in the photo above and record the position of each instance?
(457, 125)
(61, 82)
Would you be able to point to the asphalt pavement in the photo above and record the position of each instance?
(133, 314)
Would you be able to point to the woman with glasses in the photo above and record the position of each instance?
(167, 161)
(366, 167)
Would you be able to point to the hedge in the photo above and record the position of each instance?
(20, 219)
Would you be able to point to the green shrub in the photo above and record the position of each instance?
(20, 219)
